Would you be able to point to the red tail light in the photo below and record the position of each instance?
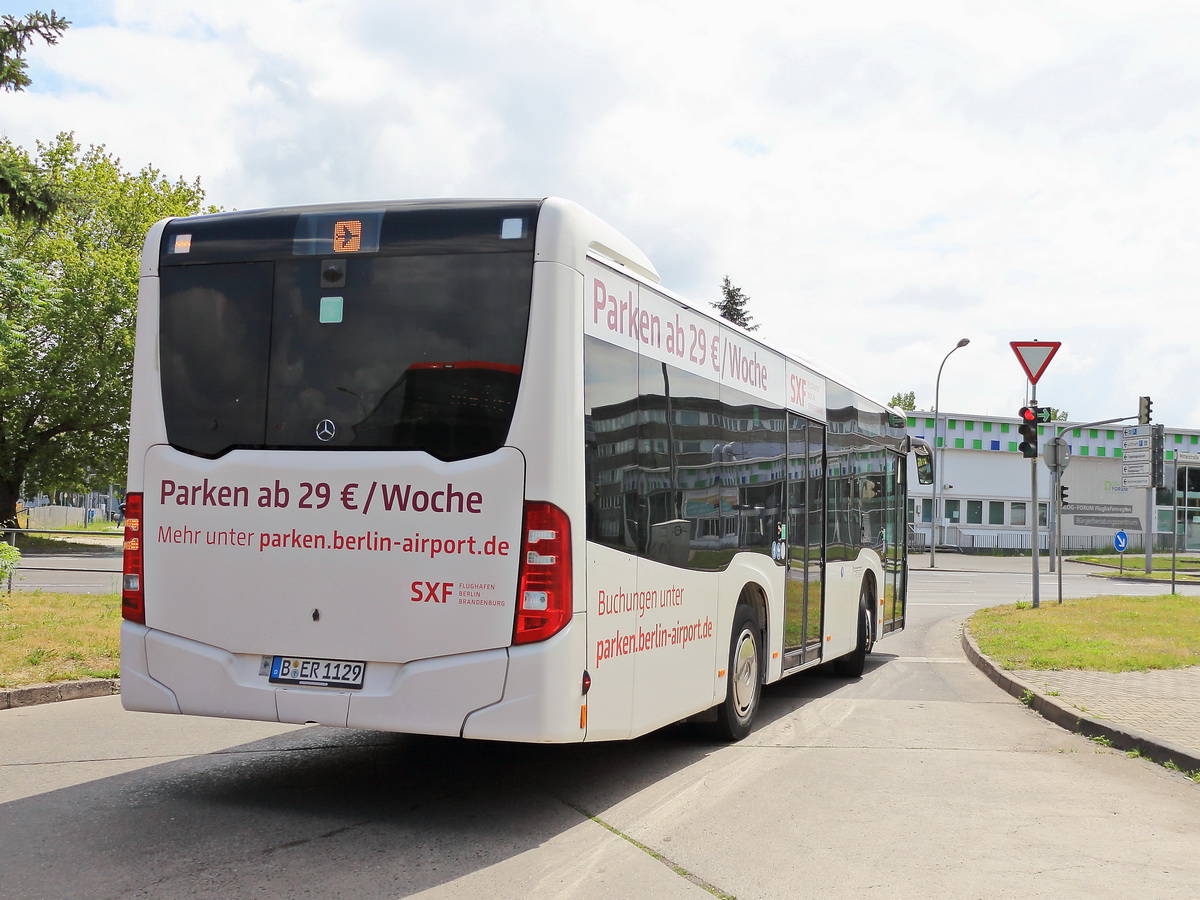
(133, 597)
(544, 588)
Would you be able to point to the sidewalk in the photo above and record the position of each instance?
(1156, 713)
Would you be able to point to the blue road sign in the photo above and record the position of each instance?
(1120, 541)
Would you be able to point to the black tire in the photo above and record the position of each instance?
(744, 677)
(852, 666)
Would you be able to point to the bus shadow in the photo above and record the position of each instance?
(375, 814)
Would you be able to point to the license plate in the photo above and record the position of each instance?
(339, 673)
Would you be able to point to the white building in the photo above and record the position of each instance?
(984, 490)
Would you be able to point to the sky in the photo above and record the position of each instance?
(880, 178)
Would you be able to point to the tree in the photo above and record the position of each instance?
(68, 296)
(732, 306)
(24, 193)
(906, 401)
(17, 34)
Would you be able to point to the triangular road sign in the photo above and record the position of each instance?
(1035, 356)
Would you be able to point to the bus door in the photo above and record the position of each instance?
(895, 560)
(804, 541)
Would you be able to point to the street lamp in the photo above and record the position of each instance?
(937, 452)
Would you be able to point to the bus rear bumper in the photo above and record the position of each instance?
(161, 672)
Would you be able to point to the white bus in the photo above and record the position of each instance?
(466, 468)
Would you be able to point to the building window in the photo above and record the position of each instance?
(912, 422)
(1043, 514)
(951, 423)
(1083, 451)
(1012, 446)
(974, 512)
(952, 511)
(1004, 426)
(1018, 513)
(1100, 451)
(970, 425)
(995, 512)
(976, 445)
(926, 510)
(958, 443)
(995, 445)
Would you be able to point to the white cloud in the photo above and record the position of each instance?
(880, 178)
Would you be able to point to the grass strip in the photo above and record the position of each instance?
(46, 637)
(1103, 634)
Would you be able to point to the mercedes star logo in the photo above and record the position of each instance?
(326, 430)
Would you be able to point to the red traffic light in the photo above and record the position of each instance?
(1029, 431)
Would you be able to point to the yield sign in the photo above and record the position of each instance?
(1035, 356)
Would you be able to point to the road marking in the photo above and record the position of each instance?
(930, 659)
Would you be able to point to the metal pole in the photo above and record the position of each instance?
(1149, 529)
(1052, 511)
(937, 464)
(1175, 515)
(1035, 546)
(1054, 504)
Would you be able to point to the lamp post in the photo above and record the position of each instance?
(937, 454)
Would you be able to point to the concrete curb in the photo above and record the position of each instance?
(14, 698)
(1072, 719)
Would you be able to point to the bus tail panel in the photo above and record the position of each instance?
(360, 557)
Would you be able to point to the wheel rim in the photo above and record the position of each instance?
(745, 674)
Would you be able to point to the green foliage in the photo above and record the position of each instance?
(9, 557)
(16, 35)
(24, 193)
(68, 296)
(905, 401)
(732, 306)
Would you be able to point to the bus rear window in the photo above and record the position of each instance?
(374, 352)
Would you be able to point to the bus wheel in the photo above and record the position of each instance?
(744, 677)
(852, 666)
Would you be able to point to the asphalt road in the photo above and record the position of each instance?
(921, 779)
(91, 570)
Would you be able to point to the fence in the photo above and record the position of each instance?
(51, 517)
(9, 536)
(1018, 542)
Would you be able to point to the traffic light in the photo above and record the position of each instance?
(1062, 496)
(1028, 431)
(1043, 413)
(1143, 410)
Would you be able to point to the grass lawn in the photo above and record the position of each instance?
(58, 637)
(1106, 634)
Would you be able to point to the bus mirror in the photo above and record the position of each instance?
(923, 453)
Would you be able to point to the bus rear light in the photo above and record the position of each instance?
(544, 589)
(133, 594)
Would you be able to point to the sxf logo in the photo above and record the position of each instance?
(431, 591)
